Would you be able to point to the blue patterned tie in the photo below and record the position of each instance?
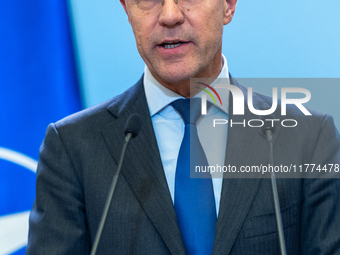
(194, 197)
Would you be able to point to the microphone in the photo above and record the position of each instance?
(268, 129)
(131, 130)
(133, 125)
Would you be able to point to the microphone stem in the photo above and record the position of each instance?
(276, 196)
(109, 198)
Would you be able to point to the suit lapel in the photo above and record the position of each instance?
(144, 172)
(143, 168)
(245, 147)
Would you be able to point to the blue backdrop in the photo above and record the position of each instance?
(38, 85)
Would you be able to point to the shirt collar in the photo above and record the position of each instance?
(159, 97)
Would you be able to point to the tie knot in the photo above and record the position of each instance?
(189, 109)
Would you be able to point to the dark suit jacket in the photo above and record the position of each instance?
(79, 156)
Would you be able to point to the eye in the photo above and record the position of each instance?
(146, 5)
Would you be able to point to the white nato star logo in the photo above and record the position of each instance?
(14, 227)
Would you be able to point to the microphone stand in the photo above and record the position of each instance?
(276, 195)
(132, 128)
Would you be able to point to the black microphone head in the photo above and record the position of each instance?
(268, 125)
(133, 125)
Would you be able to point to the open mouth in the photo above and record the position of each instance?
(171, 45)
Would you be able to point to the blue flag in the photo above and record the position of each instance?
(38, 85)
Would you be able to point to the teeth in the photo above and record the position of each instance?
(171, 46)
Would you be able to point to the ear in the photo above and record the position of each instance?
(123, 3)
(229, 10)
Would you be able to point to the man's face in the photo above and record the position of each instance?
(179, 43)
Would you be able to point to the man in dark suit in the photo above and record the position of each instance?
(78, 158)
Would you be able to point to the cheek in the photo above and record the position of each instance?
(142, 31)
(211, 27)
(210, 33)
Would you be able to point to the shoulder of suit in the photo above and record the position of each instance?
(98, 116)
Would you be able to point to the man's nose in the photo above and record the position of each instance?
(171, 14)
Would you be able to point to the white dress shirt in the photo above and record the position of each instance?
(169, 128)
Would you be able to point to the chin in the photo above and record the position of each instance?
(176, 75)
(175, 78)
